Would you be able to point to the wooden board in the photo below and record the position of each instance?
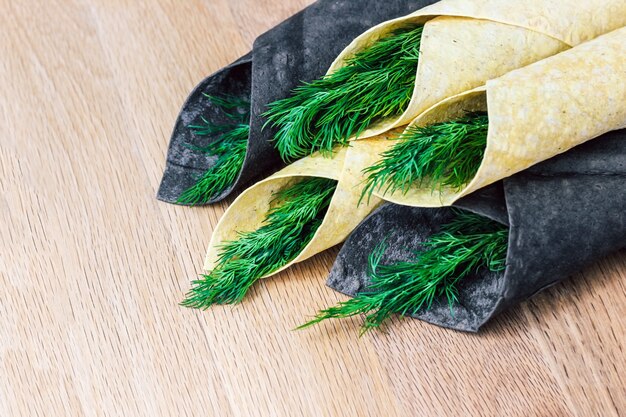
(92, 266)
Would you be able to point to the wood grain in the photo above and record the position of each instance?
(92, 266)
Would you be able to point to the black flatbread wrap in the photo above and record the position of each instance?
(563, 214)
(300, 49)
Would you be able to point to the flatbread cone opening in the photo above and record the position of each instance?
(345, 212)
(464, 43)
(534, 113)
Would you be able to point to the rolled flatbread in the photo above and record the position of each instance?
(344, 213)
(563, 214)
(535, 113)
(467, 42)
(464, 43)
(298, 50)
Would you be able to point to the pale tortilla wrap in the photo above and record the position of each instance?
(467, 42)
(535, 113)
(248, 211)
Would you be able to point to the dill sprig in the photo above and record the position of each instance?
(376, 83)
(462, 247)
(229, 147)
(230, 150)
(446, 154)
(288, 227)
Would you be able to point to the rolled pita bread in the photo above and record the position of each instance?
(563, 214)
(467, 42)
(344, 213)
(535, 113)
(298, 50)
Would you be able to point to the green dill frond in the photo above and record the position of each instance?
(444, 154)
(229, 147)
(464, 246)
(208, 129)
(235, 108)
(375, 84)
(289, 226)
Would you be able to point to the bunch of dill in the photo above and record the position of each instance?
(463, 246)
(446, 154)
(376, 83)
(229, 147)
(288, 227)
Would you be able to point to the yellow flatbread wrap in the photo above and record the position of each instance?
(535, 113)
(344, 213)
(467, 42)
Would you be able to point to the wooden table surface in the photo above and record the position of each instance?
(92, 266)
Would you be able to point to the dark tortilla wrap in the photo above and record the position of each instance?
(563, 214)
(302, 48)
